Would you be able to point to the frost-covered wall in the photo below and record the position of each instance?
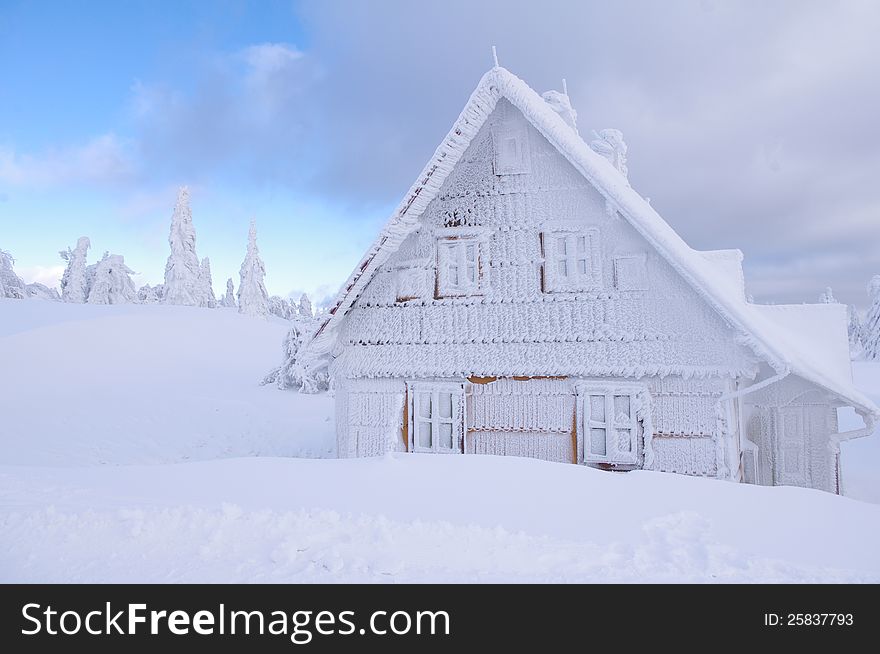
(652, 322)
(478, 291)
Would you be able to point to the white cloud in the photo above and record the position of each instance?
(268, 58)
(103, 159)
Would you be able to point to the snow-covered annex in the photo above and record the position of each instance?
(524, 299)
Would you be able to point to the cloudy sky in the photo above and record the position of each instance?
(750, 123)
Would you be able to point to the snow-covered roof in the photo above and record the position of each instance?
(787, 345)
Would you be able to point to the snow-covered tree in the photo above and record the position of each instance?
(300, 371)
(827, 297)
(305, 307)
(42, 291)
(74, 282)
(149, 294)
(229, 299)
(112, 283)
(253, 300)
(854, 331)
(209, 299)
(10, 283)
(282, 307)
(871, 326)
(183, 284)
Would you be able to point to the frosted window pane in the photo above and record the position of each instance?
(425, 405)
(597, 408)
(425, 434)
(560, 245)
(582, 266)
(563, 269)
(624, 440)
(597, 441)
(621, 407)
(446, 435)
(471, 253)
(472, 273)
(453, 275)
(582, 244)
(445, 405)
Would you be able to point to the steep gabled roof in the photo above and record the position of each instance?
(710, 274)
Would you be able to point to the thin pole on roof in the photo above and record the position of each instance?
(495, 56)
(564, 87)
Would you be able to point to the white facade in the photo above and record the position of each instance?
(524, 300)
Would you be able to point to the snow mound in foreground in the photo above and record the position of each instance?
(384, 520)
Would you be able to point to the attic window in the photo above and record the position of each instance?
(511, 149)
(630, 272)
(571, 260)
(458, 266)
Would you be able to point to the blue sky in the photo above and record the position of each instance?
(750, 124)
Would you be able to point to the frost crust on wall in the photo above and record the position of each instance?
(398, 327)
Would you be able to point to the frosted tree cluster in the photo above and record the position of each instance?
(298, 371)
(112, 283)
(151, 294)
(74, 282)
(283, 308)
(188, 280)
(871, 326)
(253, 300)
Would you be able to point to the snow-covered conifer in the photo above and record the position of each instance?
(10, 283)
(208, 298)
(253, 300)
(112, 283)
(229, 299)
(183, 283)
(871, 326)
(74, 282)
(305, 307)
(827, 297)
(854, 331)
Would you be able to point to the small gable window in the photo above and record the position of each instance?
(571, 260)
(458, 266)
(630, 272)
(511, 149)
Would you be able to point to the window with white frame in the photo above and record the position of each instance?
(571, 260)
(458, 266)
(631, 272)
(436, 417)
(609, 424)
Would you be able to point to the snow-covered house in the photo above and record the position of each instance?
(524, 299)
